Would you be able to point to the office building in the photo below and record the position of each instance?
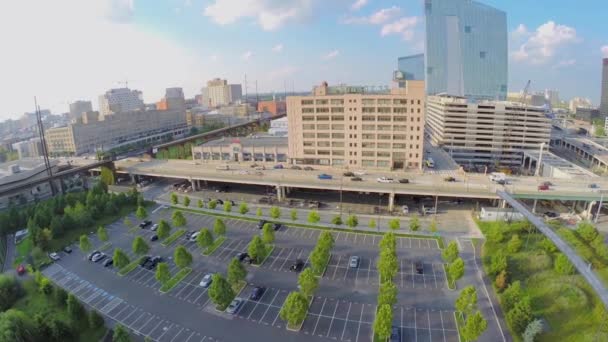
(552, 97)
(412, 67)
(219, 93)
(536, 99)
(604, 95)
(466, 49)
(278, 127)
(107, 132)
(31, 148)
(120, 100)
(587, 114)
(273, 107)
(353, 127)
(579, 102)
(486, 132)
(79, 107)
(264, 149)
(173, 100)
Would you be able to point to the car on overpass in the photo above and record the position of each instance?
(385, 180)
(325, 176)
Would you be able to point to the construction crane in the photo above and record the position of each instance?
(525, 93)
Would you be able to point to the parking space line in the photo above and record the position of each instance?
(434, 275)
(257, 302)
(148, 321)
(163, 334)
(410, 242)
(276, 258)
(413, 277)
(182, 329)
(332, 318)
(401, 325)
(360, 319)
(268, 307)
(286, 259)
(319, 317)
(337, 266)
(415, 327)
(428, 318)
(188, 339)
(346, 320)
(442, 327)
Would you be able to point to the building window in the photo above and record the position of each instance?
(482, 54)
(307, 102)
(467, 29)
(429, 70)
(322, 102)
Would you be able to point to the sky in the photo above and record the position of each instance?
(66, 50)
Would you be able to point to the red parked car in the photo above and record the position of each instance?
(543, 187)
(20, 270)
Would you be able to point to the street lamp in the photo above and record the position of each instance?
(540, 159)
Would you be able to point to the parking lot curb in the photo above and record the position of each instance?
(215, 246)
(189, 270)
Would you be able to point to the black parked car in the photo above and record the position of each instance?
(419, 267)
(297, 266)
(261, 224)
(257, 293)
(108, 262)
(145, 260)
(277, 226)
(145, 224)
(243, 257)
(67, 249)
(154, 238)
(404, 181)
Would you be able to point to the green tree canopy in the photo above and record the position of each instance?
(388, 241)
(387, 293)
(16, 326)
(511, 295)
(85, 243)
(498, 263)
(294, 309)
(186, 201)
(199, 203)
(75, 308)
(141, 213)
(236, 271)
(120, 334)
(178, 218)
(352, 221)
(258, 212)
(308, 282)
(388, 265)
(372, 223)
(220, 291)
(243, 208)
(326, 240)
(162, 273)
(120, 258)
(394, 224)
(456, 269)
(514, 244)
(268, 233)
(383, 322)
(337, 220)
(467, 300)
(562, 265)
(107, 176)
(414, 223)
(474, 326)
(433, 226)
(164, 229)
(313, 217)
(450, 253)
(294, 214)
(139, 246)
(520, 315)
(219, 227)
(227, 206)
(257, 249)
(212, 204)
(102, 234)
(95, 319)
(204, 238)
(10, 291)
(182, 257)
(174, 198)
(586, 231)
(275, 212)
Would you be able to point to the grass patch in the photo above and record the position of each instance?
(451, 282)
(238, 287)
(218, 242)
(171, 239)
(567, 304)
(290, 223)
(269, 250)
(179, 276)
(34, 302)
(320, 274)
(130, 267)
(105, 246)
(23, 250)
(459, 324)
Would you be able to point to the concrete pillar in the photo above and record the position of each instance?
(503, 204)
(279, 193)
(534, 206)
(133, 179)
(391, 201)
(589, 209)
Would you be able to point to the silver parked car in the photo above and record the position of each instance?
(234, 306)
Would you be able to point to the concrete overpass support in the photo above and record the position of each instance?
(588, 210)
(391, 201)
(503, 204)
(534, 206)
(280, 193)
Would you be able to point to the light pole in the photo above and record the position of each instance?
(540, 159)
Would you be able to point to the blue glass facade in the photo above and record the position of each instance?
(466, 49)
(412, 67)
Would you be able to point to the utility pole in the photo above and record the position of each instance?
(540, 159)
(45, 151)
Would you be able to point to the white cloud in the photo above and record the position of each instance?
(331, 55)
(270, 14)
(565, 63)
(521, 30)
(605, 51)
(404, 27)
(79, 52)
(541, 45)
(247, 55)
(377, 18)
(282, 73)
(357, 5)
(277, 48)
(119, 10)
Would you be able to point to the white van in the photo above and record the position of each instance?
(223, 167)
(498, 176)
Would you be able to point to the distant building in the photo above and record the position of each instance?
(587, 114)
(536, 99)
(120, 100)
(79, 107)
(354, 127)
(240, 110)
(31, 148)
(486, 132)
(604, 95)
(278, 127)
(21, 172)
(273, 107)
(466, 49)
(412, 67)
(552, 97)
(106, 132)
(219, 93)
(256, 148)
(579, 102)
(173, 100)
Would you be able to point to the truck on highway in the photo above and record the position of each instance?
(498, 177)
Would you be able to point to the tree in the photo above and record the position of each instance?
(16, 326)
(414, 223)
(75, 308)
(140, 200)
(162, 273)
(204, 238)
(236, 271)
(387, 293)
(141, 213)
(275, 212)
(85, 244)
(474, 326)
(106, 175)
(256, 249)
(268, 233)
(294, 214)
(186, 201)
(313, 217)
(466, 302)
(433, 226)
(450, 253)
(95, 319)
(294, 309)
(139, 246)
(495, 234)
(532, 330)
(326, 240)
(102, 234)
(388, 242)
(174, 198)
(127, 222)
(164, 229)
(243, 208)
(308, 282)
(178, 219)
(394, 224)
(258, 212)
(511, 295)
(60, 296)
(352, 221)
(562, 265)
(383, 322)
(120, 258)
(182, 257)
(456, 269)
(337, 220)
(10, 291)
(219, 228)
(220, 291)
(514, 244)
(199, 203)
(388, 265)
(520, 315)
(498, 263)
(227, 206)
(501, 281)
(372, 223)
(212, 204)
(45, 286)
(120, 334)
(587, 231)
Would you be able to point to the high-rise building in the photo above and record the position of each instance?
(31, 148)
(552, 97)
(466, 49)
(412, 67)
(174, 99)
(219, 93)
(79, 107)
(604, 96)
(120, 100)
(353, 127)
(486, 132)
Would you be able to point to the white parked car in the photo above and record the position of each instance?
(360, 173)
(206, 281)
(385, 180)
(54, 256)
(405, 209)
(234, 305)
(154, 227)
(193, 236)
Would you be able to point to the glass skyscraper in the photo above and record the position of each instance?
(466, 49)
(412, 67)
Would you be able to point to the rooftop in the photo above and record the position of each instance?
(561, 164)
(254, 141)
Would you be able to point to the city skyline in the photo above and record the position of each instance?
(86, 49)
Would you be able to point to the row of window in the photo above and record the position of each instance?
(310, 102)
